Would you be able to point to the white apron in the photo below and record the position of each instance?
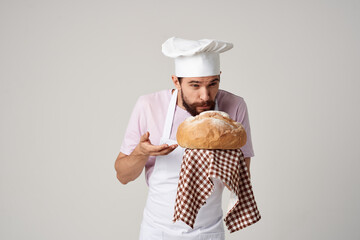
(158, 214)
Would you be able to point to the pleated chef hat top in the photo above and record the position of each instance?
(195, 58)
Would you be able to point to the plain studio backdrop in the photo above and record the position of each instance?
(71, 72)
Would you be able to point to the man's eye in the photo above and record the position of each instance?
(195, 85)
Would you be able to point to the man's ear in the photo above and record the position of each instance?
(176, 82)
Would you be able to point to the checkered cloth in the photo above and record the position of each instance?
(195, 186)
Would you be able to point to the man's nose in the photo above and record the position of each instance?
(204, 94)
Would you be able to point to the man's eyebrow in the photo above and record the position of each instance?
(193, 81)
(214, 80)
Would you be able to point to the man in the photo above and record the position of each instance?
(150, 139)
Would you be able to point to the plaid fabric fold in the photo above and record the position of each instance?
(195, 186)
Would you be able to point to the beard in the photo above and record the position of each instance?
(191, 108)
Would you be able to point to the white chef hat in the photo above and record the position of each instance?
(195, 58)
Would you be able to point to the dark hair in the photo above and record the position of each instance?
(180, 79)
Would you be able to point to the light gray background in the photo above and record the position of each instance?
(71, 72)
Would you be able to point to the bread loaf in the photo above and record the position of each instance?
(211, 130)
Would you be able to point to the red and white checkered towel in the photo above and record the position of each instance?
(195, 186)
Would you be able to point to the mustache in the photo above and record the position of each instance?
(204, 104)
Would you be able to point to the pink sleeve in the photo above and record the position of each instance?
(243, 117)
(135, 129)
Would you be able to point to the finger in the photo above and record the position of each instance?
(166, 151)
(144, 137)
(155, 148)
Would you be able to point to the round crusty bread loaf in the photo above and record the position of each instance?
(211, 130)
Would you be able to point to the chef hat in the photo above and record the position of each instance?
(195, 58)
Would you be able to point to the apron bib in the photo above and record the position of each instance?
(157, 221)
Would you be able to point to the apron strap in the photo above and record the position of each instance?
(170, 115)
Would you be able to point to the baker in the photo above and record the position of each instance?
(150, 139)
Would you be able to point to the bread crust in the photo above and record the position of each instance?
(211, 130)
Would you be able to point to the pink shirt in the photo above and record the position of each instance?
(150, 111)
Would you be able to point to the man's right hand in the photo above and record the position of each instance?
(129, 167)
(146, 148)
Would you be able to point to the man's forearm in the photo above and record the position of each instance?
(129, 167)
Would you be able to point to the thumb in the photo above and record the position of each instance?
(144, 137)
